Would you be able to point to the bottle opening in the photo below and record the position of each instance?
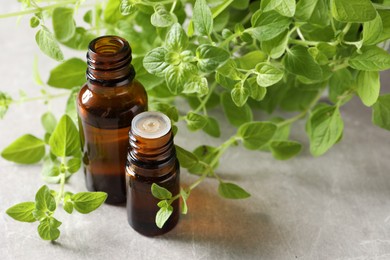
(151, 125)
(108, 45)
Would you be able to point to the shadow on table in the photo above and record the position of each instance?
(232, 227)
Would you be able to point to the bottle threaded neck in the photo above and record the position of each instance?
(109, 61)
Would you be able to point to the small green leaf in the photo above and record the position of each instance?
(368, 86)
(68, 207)
(71, 109)
(197, 85)
(27, 149)
(5, 101)
(232, 191)
(202, 18)
(352, 11)
(206, 154)
(22, 212)
(127, 8)
(195, 121)
(184, 196)
(298, 61)
(154, 61)
(112, 11)
(268, 25)
(167, 109)
(283, 7)
(325, 128)
(276, 47)
(48, 45)
(212, 127)
(372, 58)
(177, 77)
(186, 158)
(88, 16)
(284, 150)
(254, 135)
(69, 74)
(63, 24)
(211, 57)
(381, 112)
(160, 192)
(34, 22)
(255, 91)
(239, 94)
(236, 115)
(49, 122)
(73, 165)
(176, 38)
(372, 30)
(80, 40)
(44, 203)
(86, 202)
(65, 139)
(163, 215)
(268, 74)
(340, 83)
(48, 228)
(162, 17)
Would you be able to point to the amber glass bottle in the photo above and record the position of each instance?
(151, 159)
(106, 105)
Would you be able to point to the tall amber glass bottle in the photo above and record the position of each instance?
(107, 103)
(151, 159)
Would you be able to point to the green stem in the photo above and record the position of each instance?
(303, 113)
(221, 8)
(204, 101)
(381, 7)
(303, 43)
(173, 7)
(60, 194)
(38, 98)
(222, 149)
(36, 10)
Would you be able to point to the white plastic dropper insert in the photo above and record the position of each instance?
(150, 125)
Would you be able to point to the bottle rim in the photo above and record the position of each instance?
(158, 124)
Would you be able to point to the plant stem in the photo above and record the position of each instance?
(221, 8)
(38, 98)
(204, 101)
(60, 194)
(35, 10)
(302, 42)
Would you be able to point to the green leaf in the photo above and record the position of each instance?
(45, 203)
(112, 12)
(22, 212)
(195, 121)
(202, 18)
(283, 7)
(212, 127)
(184, 196)
(197, 85)
(68, 207)
(49, 122)
(69, 74)
(211, 57)
(352, 11)
(48, 45)
(65, 139)
(154, 61)
(163, 215)
(341, 83)
(167, 109)
(276, 46)
(372, 30)
(73, 165)
(5, 101)
(268, 74)
(71, 109)
(236, 115)
(239, 95)
(27, 149)
(63, 24)
(315, 12)
(162, 17)
(88, 17)
(325, 128)
(80, 40)
(298, 61)
(266, 26)
(160, 192)
(177, 77)
(254, 135)
(127, 8)
(372, 58)
(48, 229)
(284, 150)
(206, 154)
(368, 87)
(232, 191)
(381, 112)
(34, 22)
(186, 158)
(176, 39)
(255, 91)
(86, 202)
(250, 60)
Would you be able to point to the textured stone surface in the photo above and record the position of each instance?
(333, 207)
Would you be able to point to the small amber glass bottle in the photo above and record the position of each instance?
(106, 105)
(151, 159)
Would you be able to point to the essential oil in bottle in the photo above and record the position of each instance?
(151, 159)
(106, 105)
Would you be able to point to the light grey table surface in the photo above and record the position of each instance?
(333, 207)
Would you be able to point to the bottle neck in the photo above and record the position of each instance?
(109, 62)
